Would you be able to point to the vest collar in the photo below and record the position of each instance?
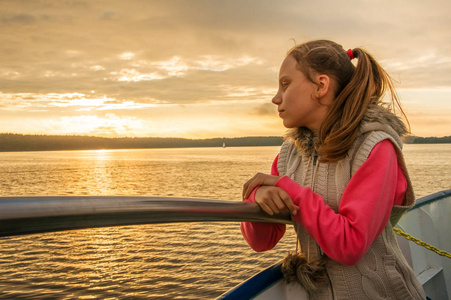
(377, 117)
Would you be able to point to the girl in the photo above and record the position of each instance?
(341, 175)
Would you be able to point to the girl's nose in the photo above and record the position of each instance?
(277, 99)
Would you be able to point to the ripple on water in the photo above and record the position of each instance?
(167, 261)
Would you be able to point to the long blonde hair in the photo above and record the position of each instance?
(358, 87)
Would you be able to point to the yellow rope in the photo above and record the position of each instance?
(421, 243)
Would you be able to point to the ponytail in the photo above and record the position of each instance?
(359, 87)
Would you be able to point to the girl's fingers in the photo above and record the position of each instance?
(287, 202)
(251, 184)
(274, 200)
(266, 208)
(273, 207)
(258, 180)
(284, 203)
(248, 187)
(279, 203)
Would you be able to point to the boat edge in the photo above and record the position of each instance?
(250, 288)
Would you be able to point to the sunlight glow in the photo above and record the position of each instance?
(127, 56)
(108, 125)
(142, 70)
(97, 68)
(127, 105)
(174, 67)
(133, 75)
(79, 101)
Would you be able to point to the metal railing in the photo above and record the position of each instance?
(27, 215)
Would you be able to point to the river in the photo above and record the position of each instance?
(164, 261)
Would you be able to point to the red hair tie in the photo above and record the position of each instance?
(350, 54)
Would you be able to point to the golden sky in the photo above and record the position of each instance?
(204, 68)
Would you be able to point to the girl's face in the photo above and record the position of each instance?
(297, 100)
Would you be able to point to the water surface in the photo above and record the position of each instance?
(163, 261)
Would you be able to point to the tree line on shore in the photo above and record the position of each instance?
(431, 140)
(22, 142)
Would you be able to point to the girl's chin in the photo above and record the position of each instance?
(289, 125)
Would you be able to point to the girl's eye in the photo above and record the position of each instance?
(284, 85)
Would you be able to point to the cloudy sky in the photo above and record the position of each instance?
(203, 68)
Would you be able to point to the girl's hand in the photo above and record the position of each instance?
(258, 180)
(274, 200)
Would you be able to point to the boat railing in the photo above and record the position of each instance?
(27, 215)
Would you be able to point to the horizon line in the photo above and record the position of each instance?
(136, 137)
(174, 137)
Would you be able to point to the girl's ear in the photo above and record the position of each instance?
(323, 86)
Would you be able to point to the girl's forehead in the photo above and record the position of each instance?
(288, 67)
(289, 62)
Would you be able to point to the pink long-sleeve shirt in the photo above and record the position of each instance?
(363, 212)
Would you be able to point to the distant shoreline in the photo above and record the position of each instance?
(11, 142)
(429, 140)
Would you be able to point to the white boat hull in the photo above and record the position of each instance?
(429, 221)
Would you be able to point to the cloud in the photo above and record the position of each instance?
(266, 109)
(66, 102)
(85, 41)
(19, 18)
(141, 55)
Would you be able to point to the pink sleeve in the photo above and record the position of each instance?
(262, 236)
(274, 170)
(364, 209)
